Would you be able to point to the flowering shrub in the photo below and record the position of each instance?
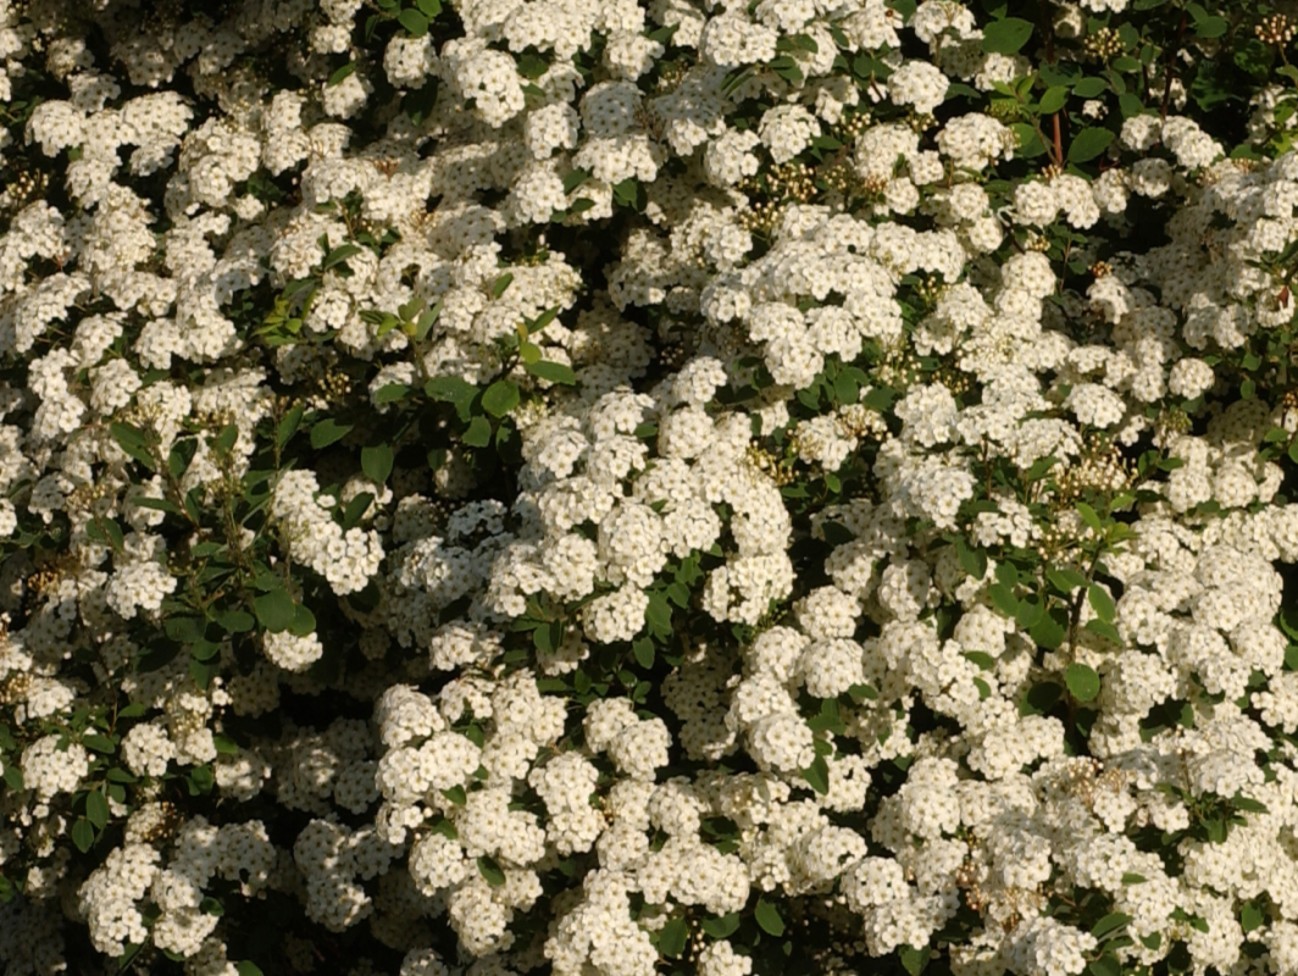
(608, 488)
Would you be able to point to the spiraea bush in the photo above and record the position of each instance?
(605, 488)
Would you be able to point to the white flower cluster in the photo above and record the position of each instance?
(919, 497)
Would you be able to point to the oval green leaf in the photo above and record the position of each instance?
(97, 809)
(478, 433)
(1101, 603)
(1088, 144)
(414, 21)
(672, 938)
(1083, 683)
(376, 462)
(500, 398)
(1007, 35)
(768, 917)
(275, 610)
(327, 432)
(491, 871)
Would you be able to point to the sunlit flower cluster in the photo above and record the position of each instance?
(562, 487)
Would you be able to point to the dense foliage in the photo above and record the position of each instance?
(601, 488)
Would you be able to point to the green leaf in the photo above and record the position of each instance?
(1109, 923)
(201, 780)
(83, 834)
(390, 393)
(575, 179)
(1029, 613)
(1065, 580)
(478, 433)
(157, 504)
(1082, 681)
(1129, 104)
(427, 319)
(1002, 598)
(1028, 141)
(429, 8)
(914, 960)
(99, 743)
(356, 508)
(455, 390)
(1101, 603)
(1090, 87)
(376, 462)
(236, 621)
(552, 372)
(340, 254)
(327, 432)
(491, 871)
(275, 610)
(182, 453)
(787, 68)
(630, 193)
(1206, 25)
(13, 777)
(862, 692)
(658, 614)
(247, 968)
(532, 66)
(288, 426)
(1088, 144)
(134, 442)
(972, 561)
(768, 918)
(1053, 100)
(672, 937)
(981, 658)
(544, 637)
(1250, 917)
(1105, 630)
(97, 809)
(500, 284)
(303, 621)
(1050, 630)
(1089, 517)
(107, 531)
(225, 440)
(817, 774)
(1106, 965)
(643, 649)
(500, 398)
(413, 21)
(722, 927)
(1007, 35)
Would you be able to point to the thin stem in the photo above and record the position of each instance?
(1056, 142)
